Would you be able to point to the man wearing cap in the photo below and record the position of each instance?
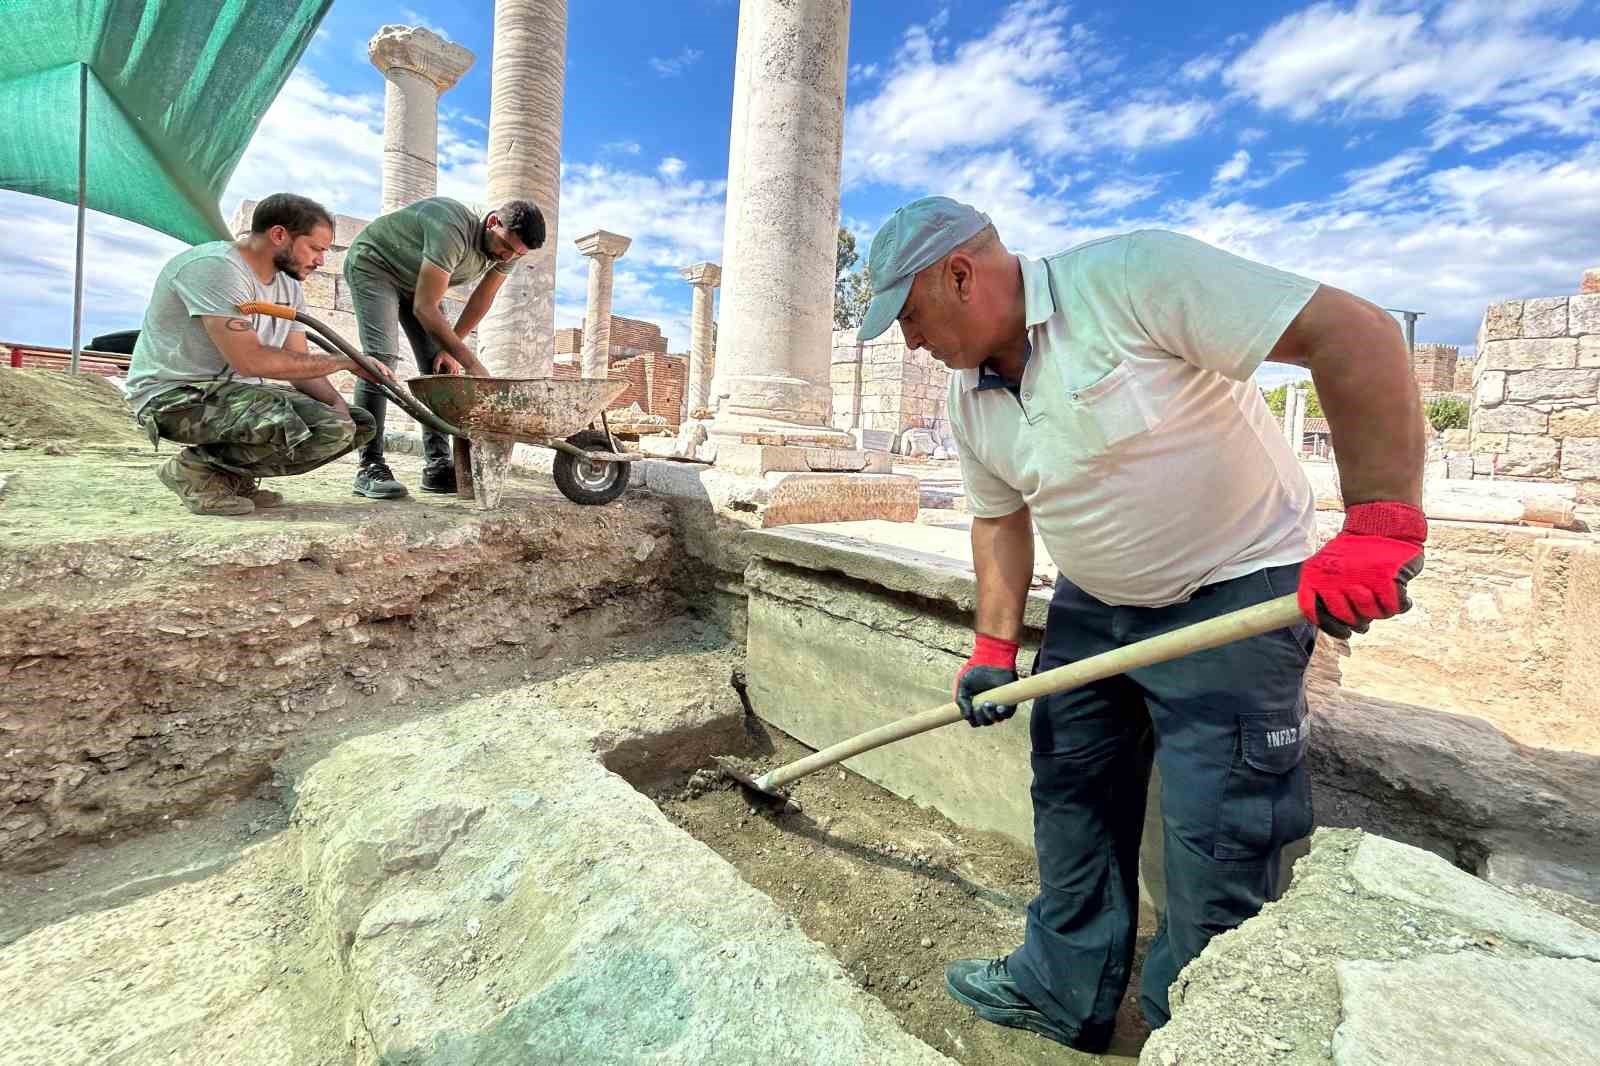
(1104, 396)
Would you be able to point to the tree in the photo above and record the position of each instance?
(1278, 398)
(1447, 412)
(851, 292)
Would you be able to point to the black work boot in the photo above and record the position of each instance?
(376, 482)
(439, 478)
(987, 987)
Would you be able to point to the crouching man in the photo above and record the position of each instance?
(206, 375)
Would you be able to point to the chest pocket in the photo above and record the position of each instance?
(1110, 410)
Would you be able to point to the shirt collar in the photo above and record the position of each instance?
(1038, 307)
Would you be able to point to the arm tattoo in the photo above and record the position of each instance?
(240, 325)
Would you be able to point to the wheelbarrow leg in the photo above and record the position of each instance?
(490, 458)
(461, 451)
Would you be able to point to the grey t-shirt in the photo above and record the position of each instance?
(442, 231)
(173, 347)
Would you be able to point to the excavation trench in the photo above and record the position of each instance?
(893, 890)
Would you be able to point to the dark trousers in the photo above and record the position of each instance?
(379, 306)
(1228, 729)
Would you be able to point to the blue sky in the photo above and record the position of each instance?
(1425, 154)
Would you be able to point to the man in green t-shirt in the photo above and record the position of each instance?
(397, 271)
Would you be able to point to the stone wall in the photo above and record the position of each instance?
(629, 337)
(1434, 366)
(656, 382)
(1464, 372)
(1536, 406)
(886, 387)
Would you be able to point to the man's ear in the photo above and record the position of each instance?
(280, 235)
(961, 275)
(492, 221)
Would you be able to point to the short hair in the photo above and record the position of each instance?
(980, 242)
(524, 219)
(297, 214)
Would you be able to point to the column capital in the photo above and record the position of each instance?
(708, 274)
(603, 242)
(420, 50)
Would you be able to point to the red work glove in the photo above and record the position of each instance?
(1361, 574)
(993, 663)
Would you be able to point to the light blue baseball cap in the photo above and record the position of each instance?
(917, 236)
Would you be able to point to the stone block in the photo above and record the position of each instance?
(1484, 443)
(318, 290)
(811, 498)
(1583, 314)
(1459, 467)
(346, 229)
(1502, 321)
(1575, 423)
(1589, 352)
(759, 459)
(1510, 419)
(1534, 385)
(343, 300)
(1580, 458)
(1527, 455)
(1545, 317)
(1545, 353)
(1491, 388)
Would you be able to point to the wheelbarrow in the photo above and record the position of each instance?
(485, 417)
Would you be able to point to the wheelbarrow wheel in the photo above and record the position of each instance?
(590, 482)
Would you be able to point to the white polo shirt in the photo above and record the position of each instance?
(1148, 459)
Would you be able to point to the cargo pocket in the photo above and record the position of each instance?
(1266, 800)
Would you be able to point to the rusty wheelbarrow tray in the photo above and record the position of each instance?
(486, 416)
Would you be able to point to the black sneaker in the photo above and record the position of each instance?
(441, 479)
(376, 482)
(987, 987)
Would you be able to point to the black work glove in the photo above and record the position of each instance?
(993, 663)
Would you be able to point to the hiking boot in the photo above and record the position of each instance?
(439, 478)
(203, 489)
(376, 482)
(250, 488)
(987, 987)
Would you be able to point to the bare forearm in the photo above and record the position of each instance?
(281, 364)
(472, 314)
(1002, 555)
(1363, 379)
(433, 321)
(322, 390)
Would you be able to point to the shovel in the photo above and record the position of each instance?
(1212, 633)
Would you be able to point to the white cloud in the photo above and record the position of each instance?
(1251, 135)
(1123, 193)
(1380, 57)
(672, 167)
(1234, 169)
(411, 18)
(676, 65)
(1201, 68)
(1020, 88)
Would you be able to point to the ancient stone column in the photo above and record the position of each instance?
(1290, 396)
(702, 355)
(517, 338)
(774, 336)
(1297, 438)
(602, 250)
(418, 65)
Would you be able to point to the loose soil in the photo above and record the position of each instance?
(47, 405)
(895, 891)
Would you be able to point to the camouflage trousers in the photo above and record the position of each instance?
(254, 430)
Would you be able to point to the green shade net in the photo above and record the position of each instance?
(176, 88)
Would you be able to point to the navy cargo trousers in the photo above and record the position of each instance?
(1228, 730)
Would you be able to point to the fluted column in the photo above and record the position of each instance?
(418, 66)
(602, 249)
(779, 242)
(705, 277)
(517, 338)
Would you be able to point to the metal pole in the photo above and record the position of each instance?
(83, 181)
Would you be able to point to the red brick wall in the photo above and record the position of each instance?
(24, 356)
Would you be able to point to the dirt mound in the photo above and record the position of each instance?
(49, 405)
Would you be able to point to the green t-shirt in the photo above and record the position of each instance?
(442, 231)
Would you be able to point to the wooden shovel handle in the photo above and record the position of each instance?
(271, 310)
(1212, 633)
